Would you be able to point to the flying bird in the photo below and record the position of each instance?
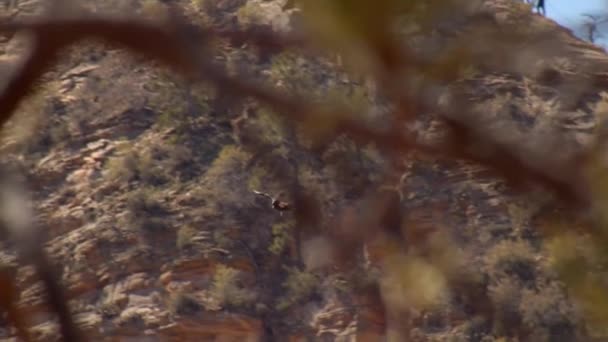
(276, 203)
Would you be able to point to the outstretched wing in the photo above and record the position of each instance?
(262, 194)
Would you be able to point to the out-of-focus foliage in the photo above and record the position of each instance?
(399, 66)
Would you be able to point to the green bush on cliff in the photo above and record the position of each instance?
(299, 286)
(281, 234)
(227, 288)
(145, 211)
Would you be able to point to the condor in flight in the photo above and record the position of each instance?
(276, 203)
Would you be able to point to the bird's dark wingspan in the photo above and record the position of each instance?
(276, 203)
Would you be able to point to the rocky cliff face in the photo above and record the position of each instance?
(144, 193)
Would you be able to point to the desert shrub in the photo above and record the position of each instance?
(512, 259)
(153, 9)
(168, 117)
(257, 177)
(227, 166)
(150, 171)
(144, 203)
(35, 129)
(248, 15)
(271, 126)
(292, 72)
(144, 211)
(184, 304)
(475, 329)
(185, 237)
(412, 281)
(222, 240)
(548, 314)
(348, 95)
(179, 158)
(519, 216)
(109, 310)
(358, 280)
(122, 167)
(169, 99)
(314, 181)
(131, 165)
(224, 185)
(299, 286)
(217, 10)
(228, 290)
(506, 297)
(281, 234)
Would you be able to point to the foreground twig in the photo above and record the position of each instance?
(177, 45)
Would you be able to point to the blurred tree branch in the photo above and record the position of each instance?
(186, 48)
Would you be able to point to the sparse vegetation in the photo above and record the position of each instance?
(153, 9)
(181, 303)
(130, 167)
(257, 176)
(333, 160)
(227, 289)
(224, 184)
(39, 128)
(170, 100)
(145, 212)
(281, 235)
(546, 312)
(222, 240)
(122, 168)
(299, 286)
(506, 297)
(271, 127)
(248, 15)
(185, 236)
(512, 259)
(150, 171)
(109, 310)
